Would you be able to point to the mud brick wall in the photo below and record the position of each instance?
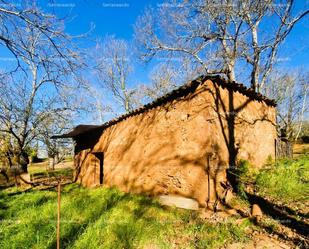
(176, 147)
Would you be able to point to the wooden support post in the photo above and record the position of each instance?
(208, 179)
(58, 218)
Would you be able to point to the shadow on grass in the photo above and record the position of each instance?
(278, 213)
(285, 218)
(126, 231)
(3, 207)
(144, 203)
(126, 234)
(136, 226)
(299, 243)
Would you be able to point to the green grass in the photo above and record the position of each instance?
(106, 218)
(286, 181)
(42, 167)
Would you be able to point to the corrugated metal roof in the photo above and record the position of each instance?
(177, 93)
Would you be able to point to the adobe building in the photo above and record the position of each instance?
(184, 143)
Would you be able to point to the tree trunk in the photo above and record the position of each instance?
(127, 105)
(22, 161)
(24, 168)
(231, 70)
(51, 163)
(256, 59)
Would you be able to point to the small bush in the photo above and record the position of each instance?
(245, 174)
(286, 181)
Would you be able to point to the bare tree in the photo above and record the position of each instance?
(56, 149)
(5, 151)
(113, 68)
(97, 105)
(162, 80)
(16, 18)
(219, 35)
(41, 88)
(164, 77)
(290, 92)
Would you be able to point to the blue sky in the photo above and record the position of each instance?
(118, 17)
(109, 17)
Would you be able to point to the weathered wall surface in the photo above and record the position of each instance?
(177, 147)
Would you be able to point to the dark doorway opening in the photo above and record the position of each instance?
(100, 156)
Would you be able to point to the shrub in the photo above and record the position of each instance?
(245, 175)
(286, 181)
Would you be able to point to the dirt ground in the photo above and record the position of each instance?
(42, 166)
(262, 241)
(261, 235)
(299, 149)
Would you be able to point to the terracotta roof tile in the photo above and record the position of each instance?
(177, 93)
